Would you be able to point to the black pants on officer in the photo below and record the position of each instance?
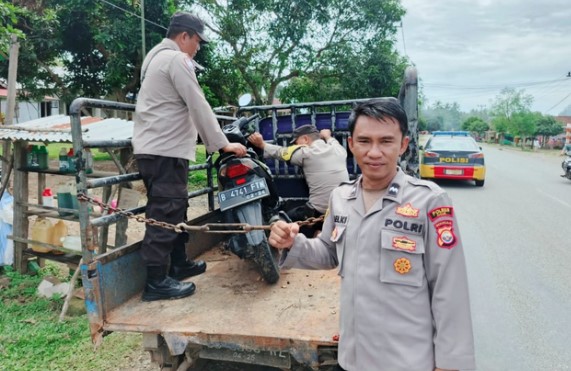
(166, 181)
(304, 212)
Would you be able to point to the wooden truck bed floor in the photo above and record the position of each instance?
(232, 304)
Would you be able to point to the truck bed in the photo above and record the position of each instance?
(234, 308)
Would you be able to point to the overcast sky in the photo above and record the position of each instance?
(466, 51)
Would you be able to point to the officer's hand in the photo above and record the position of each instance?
(325, 134)
(257, 140)
(238, 149)
(282, 234)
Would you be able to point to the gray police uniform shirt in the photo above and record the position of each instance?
(404, 290)
(323, 163)
(171, 108)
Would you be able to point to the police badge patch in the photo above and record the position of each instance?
(446, 238)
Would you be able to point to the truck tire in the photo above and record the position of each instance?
(266, 259)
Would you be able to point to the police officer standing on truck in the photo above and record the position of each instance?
(404, 302)
(171, 111)
(323, 160)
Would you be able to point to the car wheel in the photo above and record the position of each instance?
(479, 183)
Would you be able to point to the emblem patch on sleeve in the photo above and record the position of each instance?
(440, 212)
(402, 265)
(404, 243)
(446, 238)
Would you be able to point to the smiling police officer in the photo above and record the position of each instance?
(395, 240)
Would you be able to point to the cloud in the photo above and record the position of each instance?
(481, 46)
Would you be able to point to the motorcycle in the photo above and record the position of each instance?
(248, 194)
(566, 165)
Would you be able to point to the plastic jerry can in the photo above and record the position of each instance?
(59, 230)
(42, 232)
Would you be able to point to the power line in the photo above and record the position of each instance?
(133, 14)
(558, 103)
(491, 86)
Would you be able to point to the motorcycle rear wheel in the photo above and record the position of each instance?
(267, 261)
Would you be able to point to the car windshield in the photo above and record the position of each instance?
(452, 144)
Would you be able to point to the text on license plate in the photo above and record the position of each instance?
(243, 194)
(453, 171)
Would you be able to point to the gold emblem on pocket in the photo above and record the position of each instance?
(402, 265)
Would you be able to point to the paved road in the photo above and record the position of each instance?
(517, 236)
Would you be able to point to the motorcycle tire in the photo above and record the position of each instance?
(267, 261)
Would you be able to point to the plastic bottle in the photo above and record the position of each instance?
(47, 197)
(71, 161)
(42, 157)
(41, 232)
(63, 163)
(88, 161)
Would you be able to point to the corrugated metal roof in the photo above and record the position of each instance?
(57, 129)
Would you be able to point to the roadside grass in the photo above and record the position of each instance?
(198, 179)
(32, 338)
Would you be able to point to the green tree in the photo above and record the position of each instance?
(271, 42)
(547, 126)
(8, 19)
(522, 124)
(508, 105)
(345, 47)
(445, 116)
(475, 124)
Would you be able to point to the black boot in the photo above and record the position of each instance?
(180, 267)
(160, 286)
(187, 269)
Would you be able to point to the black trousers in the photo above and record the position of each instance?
(166, 180)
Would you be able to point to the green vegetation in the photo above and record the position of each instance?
(337, 48)
(32, 338)
(54, 149)
(197, 179)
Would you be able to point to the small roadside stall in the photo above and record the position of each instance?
(40, 224)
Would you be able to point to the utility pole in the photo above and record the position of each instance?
(10, 109)
(12, 76)
(143, 49)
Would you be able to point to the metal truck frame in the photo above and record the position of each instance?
(234, 315)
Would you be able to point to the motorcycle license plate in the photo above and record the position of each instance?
(243, 194)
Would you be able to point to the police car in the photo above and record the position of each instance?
(452, 155)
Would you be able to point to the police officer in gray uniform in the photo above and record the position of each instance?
(395, 240)
(323, 160)
(171, 111)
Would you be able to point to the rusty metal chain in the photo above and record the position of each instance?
(182, 227)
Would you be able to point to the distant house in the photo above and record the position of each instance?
(564, 120)
(26, 111)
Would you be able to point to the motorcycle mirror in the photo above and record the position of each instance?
(245, 99)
